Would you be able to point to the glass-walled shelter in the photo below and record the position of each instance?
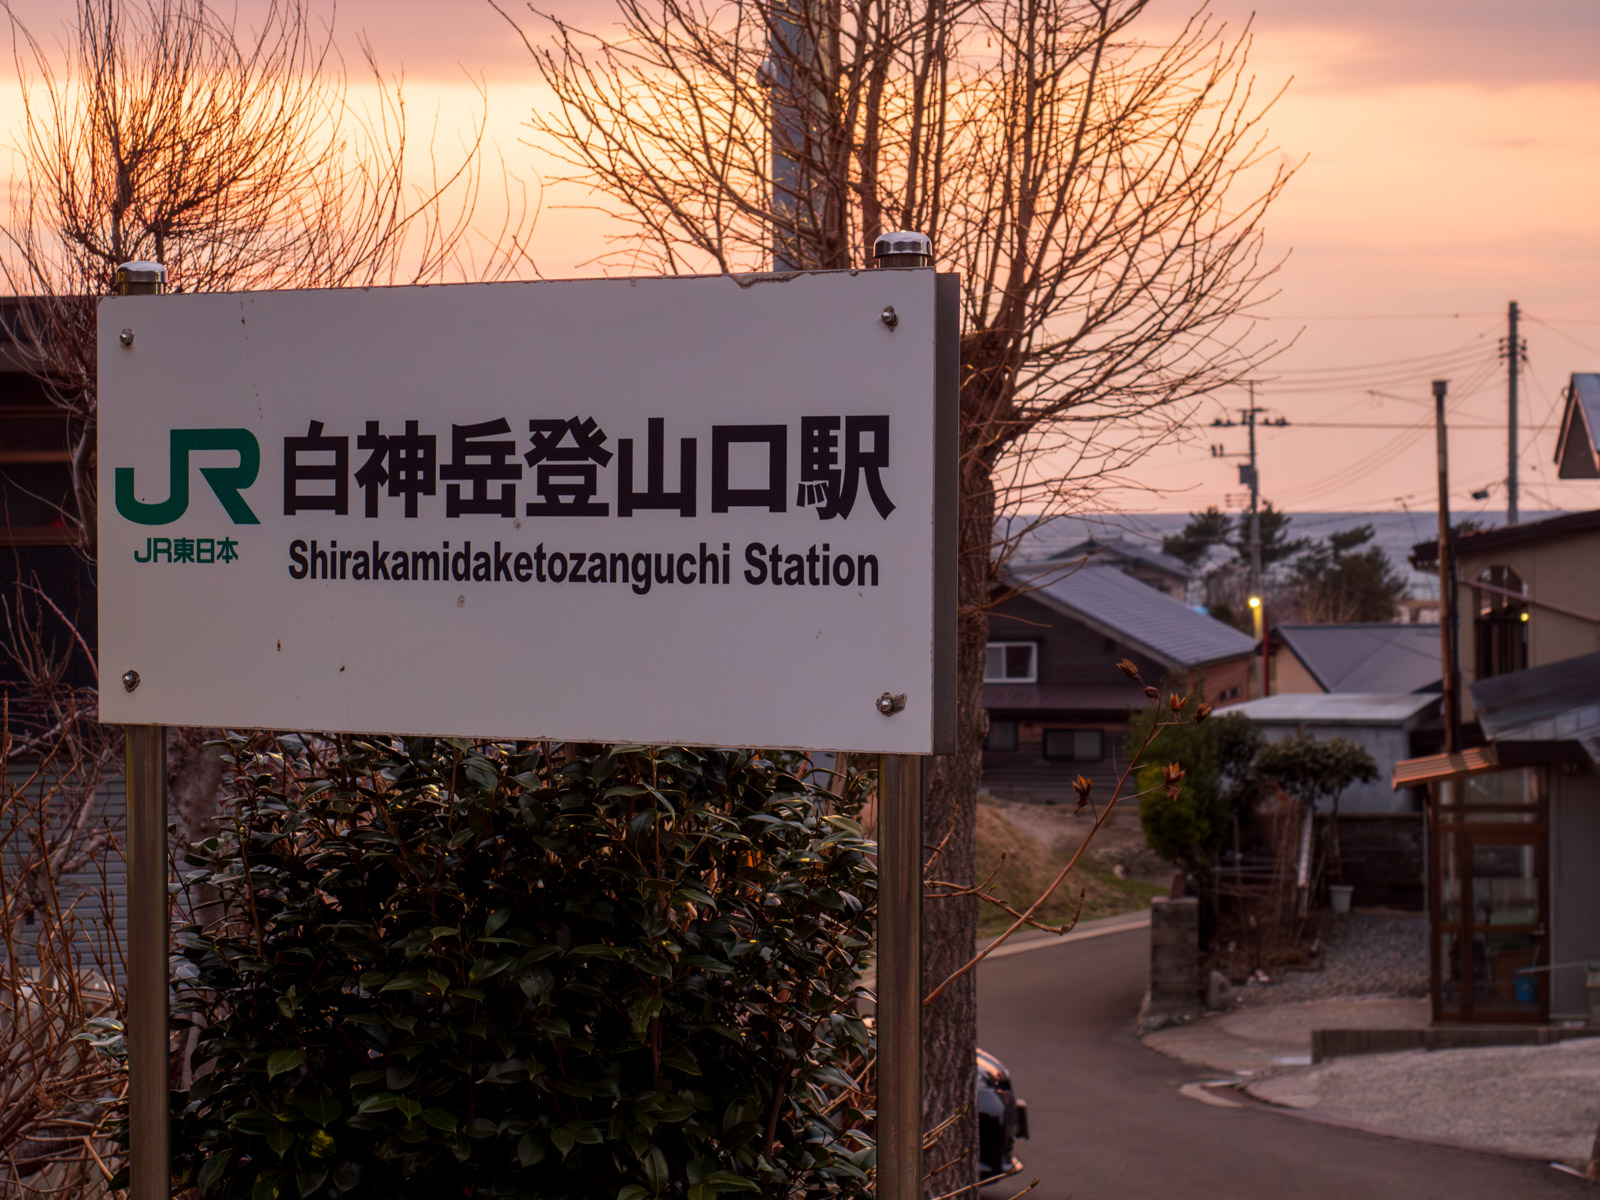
(1489, 896)
(1513, 836)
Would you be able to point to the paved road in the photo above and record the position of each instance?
(1109, 1124)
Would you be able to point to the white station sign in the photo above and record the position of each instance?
(699, 511)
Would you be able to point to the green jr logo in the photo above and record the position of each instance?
(226, 482)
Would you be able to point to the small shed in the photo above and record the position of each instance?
(1513, 833)
(1382, 722)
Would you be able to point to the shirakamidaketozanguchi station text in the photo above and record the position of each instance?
(770, 564)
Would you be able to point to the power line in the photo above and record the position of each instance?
(1564, 320)
(1377, 425)
(1467, 348)
(1402, 377)
(1342, 478)
(1545, 424)
(1338, 480)
(1454, 316)
(1396, 377)
(1559, 334)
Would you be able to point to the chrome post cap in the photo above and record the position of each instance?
(903, 248)
(141, 274)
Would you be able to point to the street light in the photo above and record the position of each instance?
(1257, 624)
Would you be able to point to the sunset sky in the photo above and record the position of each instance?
(1452, 155)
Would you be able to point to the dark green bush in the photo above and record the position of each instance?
(1191, 828)
(455, 969)
(1313, 769)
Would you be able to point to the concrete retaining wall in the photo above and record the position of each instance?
(1175, 984)
(1342, 1043)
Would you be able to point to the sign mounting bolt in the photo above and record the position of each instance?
(891, 703)
(127, 337)
(130, 680)
(889, 317)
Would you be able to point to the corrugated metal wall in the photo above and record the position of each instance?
(82, 888)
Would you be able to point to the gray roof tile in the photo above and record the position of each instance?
(1367, 658)
(1100, 552)
(1558, 701)
(1120, 606)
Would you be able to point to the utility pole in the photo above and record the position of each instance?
(1250, 476)
(1447, 606)
(1514, 359)
(1258, 602)
(1254, 480)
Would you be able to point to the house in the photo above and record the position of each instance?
(1514, 812)
(1381, 833)
(1372, 658)
(47, 634)
(1057, 704)
(1525, 595)
(1578, 443)
(1149, 566)
(36, 549)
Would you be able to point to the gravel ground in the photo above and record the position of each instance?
(1372, 952)
(1531, 1100)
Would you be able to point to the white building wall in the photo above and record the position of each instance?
(84, 888)
(1388, 744)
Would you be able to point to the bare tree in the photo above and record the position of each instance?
(58, 950)
(1100, 190)
(162, 130)
(165, 130)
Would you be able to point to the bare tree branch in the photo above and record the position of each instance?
(1101, 193)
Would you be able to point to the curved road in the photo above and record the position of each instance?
(1108, 1122)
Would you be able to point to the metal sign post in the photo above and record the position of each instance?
(900, 912)
(899, 977)
(149, 930)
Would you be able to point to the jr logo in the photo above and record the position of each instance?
(226, 482)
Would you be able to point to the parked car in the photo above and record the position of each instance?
(1002, 1119)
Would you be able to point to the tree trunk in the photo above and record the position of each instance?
(950, 926)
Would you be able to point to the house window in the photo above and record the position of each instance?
(1012, 662)
(35, 474)
(1002, 736)
(1080, 745)
(1501, 627)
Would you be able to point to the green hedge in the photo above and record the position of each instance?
(458, 969)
